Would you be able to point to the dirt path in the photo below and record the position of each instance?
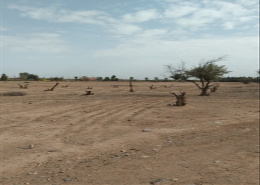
(118, 137)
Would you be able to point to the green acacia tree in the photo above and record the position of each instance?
(203, 74)
(114, 78)
(4, 77)
(33, 77)
(106, 79)
(28, 76)
(177, 73)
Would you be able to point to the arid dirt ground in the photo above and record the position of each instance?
(118, 137)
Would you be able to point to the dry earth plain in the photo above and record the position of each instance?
(118, 137)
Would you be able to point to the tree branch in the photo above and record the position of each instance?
(195, 84)
(175, 94)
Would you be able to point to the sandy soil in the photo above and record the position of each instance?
(118, 137)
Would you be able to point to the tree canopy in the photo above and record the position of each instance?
(4, 77)
(28, 76)
(205, 72)
(208, 71)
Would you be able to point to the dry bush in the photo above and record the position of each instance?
(13, 93)
(180, 99)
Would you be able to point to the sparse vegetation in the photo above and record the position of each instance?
(4, 77)
(14, 93)
(180, 99)
(74, 117)
(205, 73)
(238, 79)
(214, 88)
(168, 86)
(99, 78)
(51, 89)
(24, 86)
(28, 76)
(114, 78)
(131, 87)
(152, 87)
(56, 79)
(177, 73)
(89, 93)
(106, 79)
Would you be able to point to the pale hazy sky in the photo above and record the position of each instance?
(126, 38)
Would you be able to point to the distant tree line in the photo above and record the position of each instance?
(238, 79)
(112, 78)
(22, 76)
(177, 74)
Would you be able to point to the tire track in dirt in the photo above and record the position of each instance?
(121, 111)
(93, 135)
(108, 114)
(38, 116)
(96, 130)
(114, 122)
(79, 112)
(43, 113)
(95, 120)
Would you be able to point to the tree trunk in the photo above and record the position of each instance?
(131, 87)
(89, 93)
(204, 89)
(180, 99)
(205, 85)
(204, 92)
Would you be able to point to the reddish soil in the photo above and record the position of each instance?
(117, 137)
